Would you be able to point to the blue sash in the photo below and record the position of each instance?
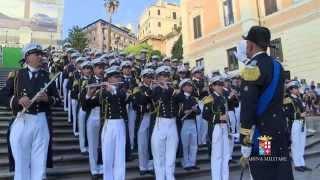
(265, 100)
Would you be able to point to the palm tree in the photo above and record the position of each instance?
(77, 38)
(111, 7)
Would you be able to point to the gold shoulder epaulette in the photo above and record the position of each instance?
(12, 74)
(250, 73)
(207, 100)
(136, 90)
(75, 83)
(287, 100)
(175, 92)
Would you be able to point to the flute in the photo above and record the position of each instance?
(102, 84)
(165, 82)
(40, 92)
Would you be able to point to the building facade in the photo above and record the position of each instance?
(97, 34)
(212, 28)
(28, 21)
(157, 22)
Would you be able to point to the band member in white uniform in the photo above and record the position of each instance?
(164, 139)
(215, 112)
(142, 99)
(113, 104)
(29, 132)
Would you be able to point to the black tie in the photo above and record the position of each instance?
(34, 76)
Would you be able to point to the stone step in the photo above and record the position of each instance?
(57, 150)
(82, 172)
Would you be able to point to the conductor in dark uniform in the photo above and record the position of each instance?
(263, 132)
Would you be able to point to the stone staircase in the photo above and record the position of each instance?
(3, 75)
(70, 164)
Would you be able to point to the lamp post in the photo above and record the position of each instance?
(111, 6)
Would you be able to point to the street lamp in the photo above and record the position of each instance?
(111, 6)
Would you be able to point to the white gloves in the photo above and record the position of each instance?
(246, 151)
(241, 53)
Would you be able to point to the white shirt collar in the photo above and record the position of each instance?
(187, 94)
(216, 93)
(32, 69)
(294, 96)
(258, 53)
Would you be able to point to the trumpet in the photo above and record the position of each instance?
(94, 85)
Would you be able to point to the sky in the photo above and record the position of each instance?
(84, 12)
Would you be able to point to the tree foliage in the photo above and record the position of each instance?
(77, 38)
(135, 49)
(177, 49)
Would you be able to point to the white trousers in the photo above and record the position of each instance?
(235, 132)
(189, 143)
(74, 105)
(82, 128)
(164, 143)
(202, 126)
(143, 144)
(298, 139)
(29, 138)
(114, 150)
(69, 107)
(93, 129)
(131, 124)
(220, 153)
(65, 94)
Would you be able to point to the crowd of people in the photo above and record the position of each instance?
(119, 103)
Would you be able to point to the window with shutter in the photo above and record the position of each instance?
(270, 6)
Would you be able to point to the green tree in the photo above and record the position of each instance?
(77, 38)
(177, 49)
(135, 49)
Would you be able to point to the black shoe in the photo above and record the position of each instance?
(195, 167)
(142, 173)
(300, 169)
(151, 172)
(231, 161)
(187, 168)
(305, 168)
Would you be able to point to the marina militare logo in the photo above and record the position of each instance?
(265, 145)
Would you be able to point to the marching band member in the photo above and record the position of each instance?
(67, 85)
(112, 100)
(29, 132)
(295, 111)
(68, 67)
(74, 83)
(215, 112)
(86, 70)
(188, 110)
(200, 92)
(144, 105)
(233, 114)
(164, 140)
(128, 85)
(93, 124)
